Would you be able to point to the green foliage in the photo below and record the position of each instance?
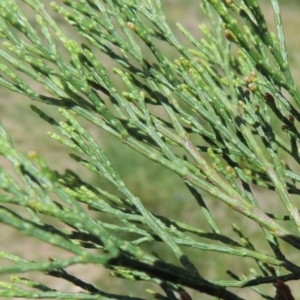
(222, 117)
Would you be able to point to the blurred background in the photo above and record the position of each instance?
(161, 191)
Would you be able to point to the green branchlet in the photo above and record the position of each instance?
(226, 92)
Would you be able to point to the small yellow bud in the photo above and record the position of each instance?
(230, 36)
(252, 87)
(32, 154)
(131, 26)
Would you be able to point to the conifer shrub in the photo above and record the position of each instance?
(223, 116)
